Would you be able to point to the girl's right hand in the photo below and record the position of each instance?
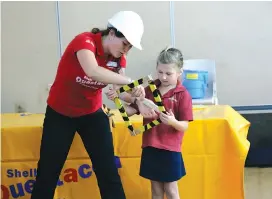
(146, 112)
(111, 94)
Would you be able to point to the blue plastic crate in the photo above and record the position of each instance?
(196, 82)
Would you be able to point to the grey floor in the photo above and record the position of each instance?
(258, 183)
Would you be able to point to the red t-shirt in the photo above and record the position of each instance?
(74, 94)
(165, 136)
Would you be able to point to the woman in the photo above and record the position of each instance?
(90, 62)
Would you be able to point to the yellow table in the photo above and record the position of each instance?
(214, 149)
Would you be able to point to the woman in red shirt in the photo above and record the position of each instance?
(90, 62)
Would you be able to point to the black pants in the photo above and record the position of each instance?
(58, 134)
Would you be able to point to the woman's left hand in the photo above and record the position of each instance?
(138, 92)
(168, 118)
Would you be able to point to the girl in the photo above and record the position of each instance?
(162, 161)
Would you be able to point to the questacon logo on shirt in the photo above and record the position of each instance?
(88, 82)
(27, 179)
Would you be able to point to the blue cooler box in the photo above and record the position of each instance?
(196, 82)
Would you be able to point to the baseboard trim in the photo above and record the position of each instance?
(253, 108)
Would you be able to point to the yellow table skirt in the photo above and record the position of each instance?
(214, 149)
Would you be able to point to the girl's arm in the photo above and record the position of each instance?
(180, 125)
(130, 110)
(184, 113)
(170, 119)
(111, 95)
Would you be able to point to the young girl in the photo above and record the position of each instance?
(162, 161)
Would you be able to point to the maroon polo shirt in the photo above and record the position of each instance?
(164, 136)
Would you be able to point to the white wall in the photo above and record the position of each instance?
(236, 34)
(29, 54)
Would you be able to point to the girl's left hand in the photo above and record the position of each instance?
(168, 118)
(111, 94)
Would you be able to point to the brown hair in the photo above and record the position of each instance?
(105, 32)
(171, 56)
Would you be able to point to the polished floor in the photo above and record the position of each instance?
(258, 183)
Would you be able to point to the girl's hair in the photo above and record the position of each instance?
(106, 32)
(171, 56)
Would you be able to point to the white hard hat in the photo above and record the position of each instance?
(130, 25)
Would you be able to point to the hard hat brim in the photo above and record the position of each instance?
(138, 46)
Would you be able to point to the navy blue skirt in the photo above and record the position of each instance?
(161, 165)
